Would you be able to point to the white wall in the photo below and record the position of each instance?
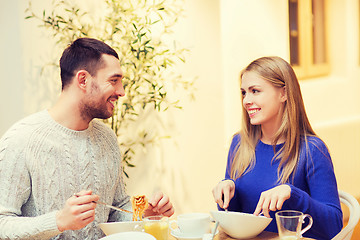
(192, 162)
(249, 30)
(11, 77)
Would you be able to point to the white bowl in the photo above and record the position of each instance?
(240, 225)
(129, 236)
(118, 227)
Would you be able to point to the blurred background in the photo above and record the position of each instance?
(320, 38)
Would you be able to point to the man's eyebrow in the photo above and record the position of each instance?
(117, 76)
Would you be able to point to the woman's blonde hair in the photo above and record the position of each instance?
(294, 124)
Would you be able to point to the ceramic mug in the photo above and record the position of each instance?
(192, 224)
(289, 223)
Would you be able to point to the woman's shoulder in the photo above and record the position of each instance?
(235, 140)
(315, 142)
(316, 147)
(236, 137)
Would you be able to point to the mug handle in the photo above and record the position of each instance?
(171, 223)
(309, 225)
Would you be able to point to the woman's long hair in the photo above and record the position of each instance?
(294, 124)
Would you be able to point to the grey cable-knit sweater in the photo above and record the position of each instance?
(42, 164)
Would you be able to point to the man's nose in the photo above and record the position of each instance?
(120, 91)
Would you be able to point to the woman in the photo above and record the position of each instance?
(276, 161)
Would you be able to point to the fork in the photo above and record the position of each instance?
(112, 207)
(109, 206)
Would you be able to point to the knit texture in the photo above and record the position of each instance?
(42, 164)
(313, 188)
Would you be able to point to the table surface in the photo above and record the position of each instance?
(264, 235)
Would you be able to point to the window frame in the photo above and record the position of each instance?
(307, 68)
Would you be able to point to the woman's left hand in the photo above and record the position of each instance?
(159, 204)
(272, 199)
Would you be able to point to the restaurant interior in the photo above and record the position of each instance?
(222, 37)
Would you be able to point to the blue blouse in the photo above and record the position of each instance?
(313, 189)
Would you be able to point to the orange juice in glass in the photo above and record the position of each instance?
(158, 226)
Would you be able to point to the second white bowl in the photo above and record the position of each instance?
(240, 225)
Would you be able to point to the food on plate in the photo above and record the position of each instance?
(139, 205)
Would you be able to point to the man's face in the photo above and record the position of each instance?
(103, 90)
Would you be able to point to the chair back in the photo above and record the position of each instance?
(354, 209)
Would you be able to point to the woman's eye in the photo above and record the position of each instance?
(255, 91)
(243, 93)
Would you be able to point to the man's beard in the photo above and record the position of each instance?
(92, 108)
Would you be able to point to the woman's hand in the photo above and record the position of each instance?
(272, 199)
(79, 211)
(223, 193)
(159, 204)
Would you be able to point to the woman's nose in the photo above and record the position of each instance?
(247, 100)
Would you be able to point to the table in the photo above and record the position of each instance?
(263, 235)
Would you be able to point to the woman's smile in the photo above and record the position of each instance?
(252, 111)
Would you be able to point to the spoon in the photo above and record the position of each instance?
(214, 230)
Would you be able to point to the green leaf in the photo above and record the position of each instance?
(134, 26)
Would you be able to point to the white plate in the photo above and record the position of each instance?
(129, 236)
(180, 236)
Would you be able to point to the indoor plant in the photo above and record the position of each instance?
(140, 31)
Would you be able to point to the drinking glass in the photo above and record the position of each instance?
(158, 226)
(289, 223)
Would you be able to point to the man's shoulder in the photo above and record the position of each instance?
(19, 134)
(101, 128)
(103, 133)
(27, 124)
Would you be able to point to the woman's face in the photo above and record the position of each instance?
(262, 101)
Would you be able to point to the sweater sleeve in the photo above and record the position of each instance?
(234, 204)
(121, 200)
(15, 188)
(322, 201)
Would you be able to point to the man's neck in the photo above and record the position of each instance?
(66, 112)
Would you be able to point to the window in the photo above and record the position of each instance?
(307, 35)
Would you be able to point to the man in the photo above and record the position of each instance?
(55, 164)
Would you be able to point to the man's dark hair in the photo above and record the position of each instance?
(83, 53)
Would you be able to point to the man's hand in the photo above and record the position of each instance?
(79, 211)
(159, 204)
